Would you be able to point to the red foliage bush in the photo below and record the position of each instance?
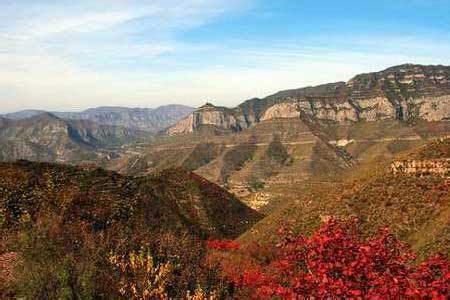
(222, 245)
(336, 261)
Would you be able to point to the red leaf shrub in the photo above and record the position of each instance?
(336, 261)
(222, 245)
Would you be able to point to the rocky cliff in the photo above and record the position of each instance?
(407, 93)
(207, 115)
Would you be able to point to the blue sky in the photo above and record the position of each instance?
(70, 55)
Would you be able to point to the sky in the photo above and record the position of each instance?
(71, 55)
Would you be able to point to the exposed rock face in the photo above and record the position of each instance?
(281, 110)
(207, 115)
(342, 142)
(378, 108)
(186, 125)
(434, 108)
(439, 167)
(406, 93)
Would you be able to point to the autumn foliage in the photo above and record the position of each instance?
(336, 261)
(222, 245)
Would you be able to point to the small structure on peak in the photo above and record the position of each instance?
(207, 105)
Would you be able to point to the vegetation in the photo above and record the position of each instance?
(82, 233)
(336, 261)
(96, 234)
(417, 209)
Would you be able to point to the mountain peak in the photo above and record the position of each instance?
(208, 105)
(44, 116)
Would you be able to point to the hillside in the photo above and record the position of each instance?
(263, 163)
(60, 218)
(45, 137)
(415, 207)
(146, 119)
(173, 199)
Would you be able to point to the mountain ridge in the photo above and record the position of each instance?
(406, 92)
(147, 119)
(46, 137)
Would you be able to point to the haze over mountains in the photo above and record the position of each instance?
(94, 135)
(45, 137)
(147, 119)
(224, 149)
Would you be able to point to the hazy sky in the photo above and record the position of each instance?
(69, 55)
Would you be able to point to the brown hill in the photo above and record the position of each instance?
(174, 199)
(320, 132)
(416, 208)
(60, 226)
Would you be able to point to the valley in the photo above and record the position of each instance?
(265, 147)
(101, 197)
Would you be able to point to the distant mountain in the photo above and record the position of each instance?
(45, 137)
(406, 92)
(23, 114)
(147, 119)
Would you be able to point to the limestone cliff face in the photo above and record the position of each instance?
(186, 125)
(209, 115)
(406, 93)
(281, 110)
(434, 108)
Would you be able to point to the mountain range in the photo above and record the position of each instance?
(263, 147)
(45, 137)
(146, 119)
(120, 202)
(93, 136)
(406, 92)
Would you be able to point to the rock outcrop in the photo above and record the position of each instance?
(208, 115)
(407, 93)
(438, 167)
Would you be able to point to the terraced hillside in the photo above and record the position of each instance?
(415, 207)
(261, 164)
